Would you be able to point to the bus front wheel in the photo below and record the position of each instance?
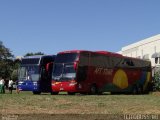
(71, 93)
(134, 90)
(54, 93)
(36, 92)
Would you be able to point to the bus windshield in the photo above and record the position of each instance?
(63, 72)
(66, 58)
(30, 72)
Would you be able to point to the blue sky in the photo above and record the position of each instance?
(51, 26)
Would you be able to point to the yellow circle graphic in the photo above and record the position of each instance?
(120, 79)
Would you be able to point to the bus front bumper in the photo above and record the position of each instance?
(28, 86)
(64, 86)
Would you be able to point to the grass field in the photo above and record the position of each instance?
(27, 103)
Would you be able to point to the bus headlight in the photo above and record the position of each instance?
(20, 83)
(72, 83)
(53, 84)
(35, 83)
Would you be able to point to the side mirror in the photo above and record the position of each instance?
(75, 65)
(49, 67)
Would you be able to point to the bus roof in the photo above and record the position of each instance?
(117, 55)
(109, 53)
(100, 52)
(37, 56)
(36, 59)
(136, 58)
(73, 51)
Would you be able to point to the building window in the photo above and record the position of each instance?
(156, 60)
(142, 52)
(139, 57)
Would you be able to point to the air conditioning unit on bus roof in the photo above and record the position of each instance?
(108, 53)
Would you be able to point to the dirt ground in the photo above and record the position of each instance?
(62, 117)
(26, 106)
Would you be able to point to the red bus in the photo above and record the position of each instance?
(90, 72)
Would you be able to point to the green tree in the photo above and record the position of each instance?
(14, 75)
(156, 81)
(6, 61)
(32, 54)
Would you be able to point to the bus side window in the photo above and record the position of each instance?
(131, 63)
(82, 73)
(128, 62)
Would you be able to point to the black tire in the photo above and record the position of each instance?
(36, 92)
(83, 93)
(71, 93)
(150, 88)
(100, 93)
(134, 90)
(54, 93)
(93, 89)
(140, 89)
(113, 93)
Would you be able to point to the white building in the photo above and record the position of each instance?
(148, 49)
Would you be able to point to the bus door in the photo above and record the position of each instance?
(45, 81)
(83, 70)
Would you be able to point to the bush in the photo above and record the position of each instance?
(14, 75)
(156, 81)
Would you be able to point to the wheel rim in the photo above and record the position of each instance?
(134, 90)
(93, 90)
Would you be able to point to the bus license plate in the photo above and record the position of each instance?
(61, 88)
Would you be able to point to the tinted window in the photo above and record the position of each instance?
(99, 60)
(30, 61)
(66, 58)
(128, 62)
(47, 59)
(69, 69)
(63, 72)
(58, 69)
(84, 59)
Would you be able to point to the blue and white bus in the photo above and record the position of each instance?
(35, 73)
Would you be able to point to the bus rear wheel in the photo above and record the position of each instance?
(134, 90)
(137, 89)
(140, 89)
(93, 90)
